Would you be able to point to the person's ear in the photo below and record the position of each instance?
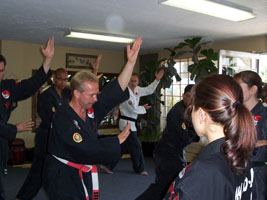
(202, 115)
(254, 89)
(76, 93)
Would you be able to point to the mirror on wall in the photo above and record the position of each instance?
(232, 62)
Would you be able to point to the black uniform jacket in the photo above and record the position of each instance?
(177, 134)
(48, 102)
(11, 92)
(210, 178)
(259, 113)
(259, 156)
(77, 141)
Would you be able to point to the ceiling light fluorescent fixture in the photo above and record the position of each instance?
(216, 8)
(90, 36)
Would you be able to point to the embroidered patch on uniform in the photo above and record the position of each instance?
(256, 119)
(90, 112)
(53, 109)
(136, 93)
(76, 124)
(5, 94)
(77, 137)
(182, 172)
(183, 126)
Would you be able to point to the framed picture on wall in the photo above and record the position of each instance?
(79, 61)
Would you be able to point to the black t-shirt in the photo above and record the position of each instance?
(210, 178)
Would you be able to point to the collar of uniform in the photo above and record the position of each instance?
(212, 148)
(258, 108)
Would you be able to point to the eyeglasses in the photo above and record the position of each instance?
(62, 79)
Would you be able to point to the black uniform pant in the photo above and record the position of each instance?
(168, 163)
(33, 182)
(132, 145)
(4, 153)
(3, 163)
(2, 193)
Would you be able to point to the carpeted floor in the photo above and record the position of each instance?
(124, 184)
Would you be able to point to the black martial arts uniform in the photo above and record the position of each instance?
(77, 141)
(169, 152)
(48, 102)
(12, 92)
(259, 157)
(211, 178)
(4, 155)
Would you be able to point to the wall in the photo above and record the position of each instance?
(250, 44)
(23, 57)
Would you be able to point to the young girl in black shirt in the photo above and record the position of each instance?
(222, 170)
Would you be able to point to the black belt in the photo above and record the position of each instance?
(128, 118)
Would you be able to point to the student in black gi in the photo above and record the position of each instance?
(222, 170)
(74, 145)
(48, 101)
(251, 85)
(12, 92)
(169, 152)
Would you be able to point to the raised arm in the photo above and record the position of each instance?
(48, 52)
(95, 65)
(132, 53)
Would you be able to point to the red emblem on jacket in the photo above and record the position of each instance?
(90, 112)
(257, 117)
(6, 94)
(136, 93)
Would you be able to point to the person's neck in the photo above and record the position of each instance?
(78, 109)
(215, 132)
(132, 88)
(59, 91)
(251, 103)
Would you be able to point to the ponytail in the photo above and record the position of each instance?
(240, 138)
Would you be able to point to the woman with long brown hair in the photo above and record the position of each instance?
(252, 86)
(222, 170)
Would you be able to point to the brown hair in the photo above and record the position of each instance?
(250, 78)
(79, 78)
(135, 74)
(3, 59)
(221, 97)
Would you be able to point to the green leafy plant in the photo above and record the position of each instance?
(203, 60)
(200, 68)
(151, 120)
